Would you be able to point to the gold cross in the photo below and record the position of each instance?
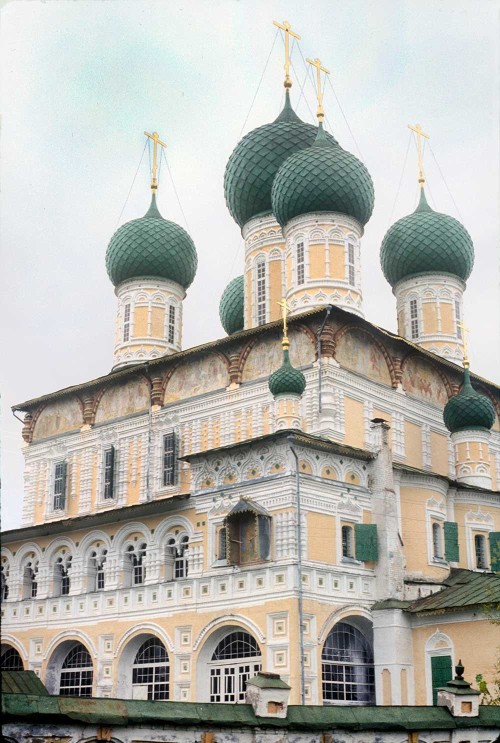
(284, 309)
(465, 330)
(156, 141)
(319, 69)
(418, 131)
(286, 27)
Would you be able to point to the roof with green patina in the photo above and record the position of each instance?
(231, 306)
(151, 247)
(286, 380)
(256, 159)
(463, 589)
(469, 410)
(323, 178)
(22, 682)
(41, 709)
(426, 242)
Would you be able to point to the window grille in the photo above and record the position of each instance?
(60, 486)
(169, 459)
(347, 541)
(480, 550)
(261, 293)
(126, 323)
(77, 673)
(109, 472)
(98, 560)
(151, 668)
(11, 660)
(458, 319)
(235, 659)
(32, 580)
(137, 560)
(62, 566)
(171, 324)
(414, 318)
(300, 263)
(347, 666)
(437, 541)
(350, 264)
(222, 543)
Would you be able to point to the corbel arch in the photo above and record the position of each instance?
(355, 328)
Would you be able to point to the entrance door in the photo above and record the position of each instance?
(441, 673)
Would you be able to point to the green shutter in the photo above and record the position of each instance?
(495, 550)
(366, 542)
(441, 673)
(451, 548)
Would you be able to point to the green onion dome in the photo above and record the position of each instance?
(231, 306)
(322, 178)
(151, 247)
(426, 242)
(286, 380)
(255, 161)
(468, 410)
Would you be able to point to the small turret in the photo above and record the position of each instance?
(287, 385)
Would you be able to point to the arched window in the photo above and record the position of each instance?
(437, 541)
(348, 673)
(236, 658)
(151, 670)
(137, 555)
(300, 262)
(97, 560)
(414, 325)
(126, 323)
(61, 578)
(480, 551)
(348, 541)
(260, 292)
(77, 673)
(177, 548)
(30, 579)
(4, 577)
(351, 265)
(11, 660)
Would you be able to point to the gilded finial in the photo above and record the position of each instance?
(286, 27)
(284, 310)
(319, 92)
(156, 141)
(465, 330)
(418, 131)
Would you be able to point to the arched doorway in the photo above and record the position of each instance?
(348, 674)
(11, 659)
(236, 658)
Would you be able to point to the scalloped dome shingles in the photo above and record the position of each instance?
(286, 379)
(469, 409)
(231, 306)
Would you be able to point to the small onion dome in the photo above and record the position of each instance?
(468, 410)
(151, 247)
(255, 161)
(286, 380)
(426, 242)
(231, 306)
(322, 178)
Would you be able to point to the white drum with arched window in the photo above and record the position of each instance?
(77, 673)
(347, 666)
(150, 671)
(236, 658)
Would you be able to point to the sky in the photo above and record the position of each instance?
(81, 81)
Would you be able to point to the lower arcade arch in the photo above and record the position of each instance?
(70, 670)
(144, 669)
(348, 674)
(11, 659)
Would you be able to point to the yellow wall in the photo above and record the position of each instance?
(414, 528)
(337, 262)
(354, 423)
(157, 322)
(429, 312)
(447, 324)
(413, 444)
(275, 289)
(316, 261)
(141, 322)
(321, 537)
(439, 453)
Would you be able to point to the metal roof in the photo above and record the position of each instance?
(463, 589)
(22, 682)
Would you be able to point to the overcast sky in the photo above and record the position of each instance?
(81, 81)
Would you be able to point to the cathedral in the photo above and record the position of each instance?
(310, 495)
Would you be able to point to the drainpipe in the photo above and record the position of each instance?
(318, 352)
(299, 575)
(150, 421)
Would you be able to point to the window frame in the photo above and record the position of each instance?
(77, 673)
(437, 541)
(300, 262)
(127, 315)
(483, 549)
(349, 545)
(60, 486)
(351, 263)
(170, 465)
(414, 318)
(171, 324)
(108, 491)
(261, 284)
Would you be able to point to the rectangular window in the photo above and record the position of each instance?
(480, 551)
(437, 541)
(300, 263)
(100, 577)
(171, 324)
(109, 472)
(350, 263)
(169, 459)
(458, 319)
(414, 318)
(126, 323)
(347, 542)
(60, 486)
(261, 293)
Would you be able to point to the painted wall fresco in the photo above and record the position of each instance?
(267, 355)
(356, 351)
(195, 377)
(123, 400)
(420, 379)
(58, 417)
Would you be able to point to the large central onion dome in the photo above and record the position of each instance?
(469, 410)
(426, 242)
(323, 178)
(255, 161)
(151, 247)
(231, 309)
